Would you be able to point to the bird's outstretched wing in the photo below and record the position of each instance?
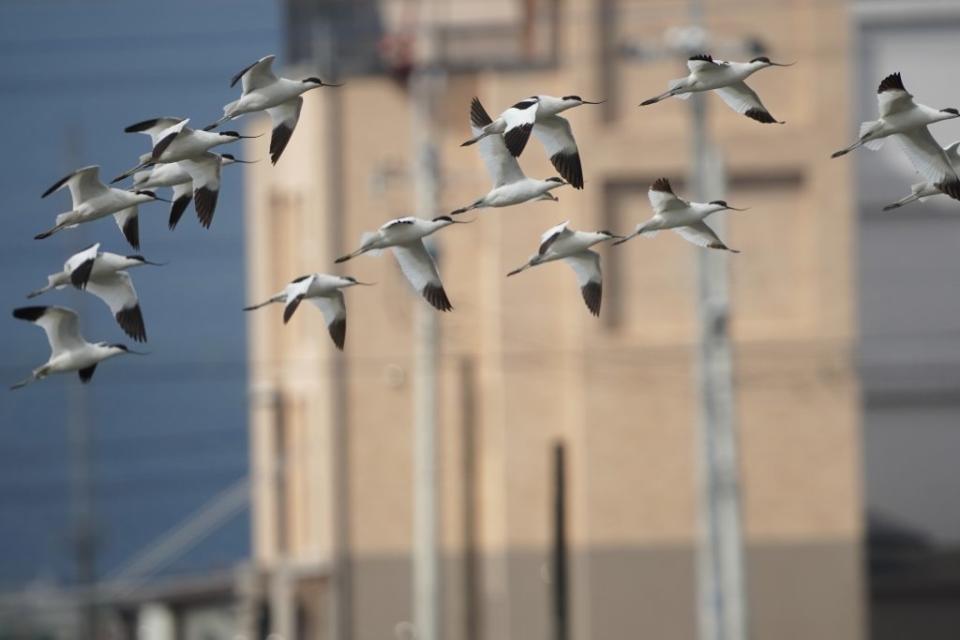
(257, 75)
(61, 325)
(702, 236)
(586, 265)
(420, 269)
(892, 96)
(662, 198)
(80, 265)
(745, 100)
(118, 292)
(551, 235)
(930, 160)
(84, 184)
(519, 120)
(556, 136)
(335, 314)
(284, 117)
(204, 173)
(501, 165)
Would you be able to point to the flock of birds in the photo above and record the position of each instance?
(180, 157)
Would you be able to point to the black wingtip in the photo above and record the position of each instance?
(437, 297)
(290, 308)
(662, 184)
(81, 275)
(30, 314)
(131, 321)
(205, 202)
(516, 139)
(761, 115)
(950, 188)
(892, 82)
(837, 154)
(569, 167)
(592, 296)
(338, 332)
(478, 116)
(131, 231)
(649, 102)
(278, 142)
(44, 234)
(176, 211)
(705, 57)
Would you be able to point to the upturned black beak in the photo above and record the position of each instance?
(735, 209)
(783, 64)
(589, 102)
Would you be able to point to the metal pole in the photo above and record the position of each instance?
(559, 575)
(722, 606)
(425, 88)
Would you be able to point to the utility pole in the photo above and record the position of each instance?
(721, 593)
(426, 84)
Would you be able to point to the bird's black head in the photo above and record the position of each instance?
(951, 110)
(763, 59)
(313, 80)
(443, 219)
(231, 134)
(350, 279)
(577, 98)
(152, 194)
(721, 203)
(555, 179)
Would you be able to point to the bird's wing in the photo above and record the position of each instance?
(182, 195)
(167, 136)
(702, 236)
(892, 96)
(502, 167)
(62, 327)
(295, 292)
(551, 235)
(204, 172)
(420, 269)
(927, 157)
(80, 264)
(556, 136)
(129, 224)
(154, 127)
(284, 117)
(586, 265)
(519, 120)
(257, 75)
(117, 291)
(84, 184)
(745, 100)
(704, 62)
(335, 314)
(397, 221)
(662, 197)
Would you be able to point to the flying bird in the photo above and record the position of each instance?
(923, 190)
(405, 236)
(900, 116)
(573, 247)
(280, 97)
(104, 275)
(93, 200)
(324, 291)
(197, 179)
(510, 185)
(727, 79)
(68, 350)
(537, 115)
(686, 218)
(173, 141)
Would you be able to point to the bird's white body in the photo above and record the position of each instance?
(573, 247)
(171, 174)
(92, 200)
(173, 140)
(68, 350)
(273, 94)
(923, 190)
(104, 275)
(726, 78)
(195, 179)
(686, 218)
(324, 291)
(405, 237)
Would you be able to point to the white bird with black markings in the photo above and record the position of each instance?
(900, 116)
(539, 115)
(104, 275)
(92, 200)
(405, 236)
(68, 350)
(197, 179)
(172, 140)
(573, 247)
(685, 218)
(922, 191)
(279, 97)
(324, 291)
(727, 80)
(510, 185)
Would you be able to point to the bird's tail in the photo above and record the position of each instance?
(277, 298)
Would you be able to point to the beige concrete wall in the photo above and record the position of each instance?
(619, 390)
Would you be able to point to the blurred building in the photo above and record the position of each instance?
(523, 365)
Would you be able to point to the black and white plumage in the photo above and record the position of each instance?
(405, 236)
(279, 97)
(92, 200)
(510, 185)
(921, 191)
(685, 218)
(68, 350)
(197, 179)
(727, 79)
(104, 275)
(538, 115)
(907, 120)
(173, 141)
(324, 291)
(573, 247)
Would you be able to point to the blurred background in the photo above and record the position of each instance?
(516, 468)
